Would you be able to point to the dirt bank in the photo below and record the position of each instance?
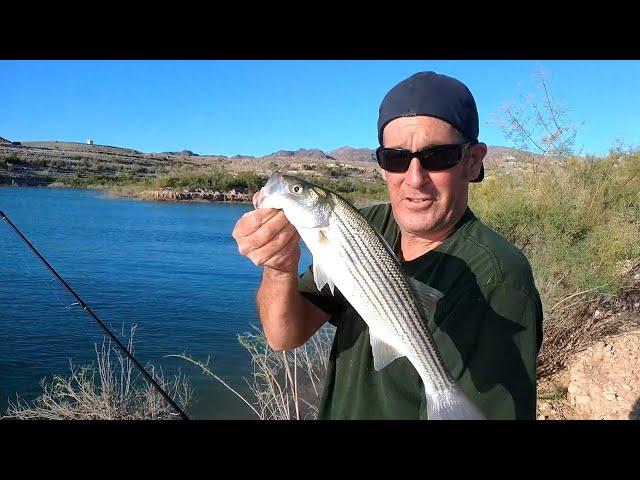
(601, 382)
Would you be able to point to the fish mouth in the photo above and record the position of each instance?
(273, 186)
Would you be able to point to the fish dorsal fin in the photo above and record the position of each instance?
(383, 353)
(426, 295)
(320, 267)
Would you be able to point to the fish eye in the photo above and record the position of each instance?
(297, 188)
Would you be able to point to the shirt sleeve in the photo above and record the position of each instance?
(497, 335)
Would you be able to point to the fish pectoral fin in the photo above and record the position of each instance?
(321, 276)
(383, 353)
(428, 296)
(320, 269)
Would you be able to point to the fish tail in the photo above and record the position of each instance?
(452, 404)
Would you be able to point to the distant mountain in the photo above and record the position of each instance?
(346, 154)
(182, 153)
(301, 153)
(350, 154)
(496, 152)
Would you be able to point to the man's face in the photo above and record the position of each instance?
(428, 203)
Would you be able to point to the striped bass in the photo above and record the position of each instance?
(348, 253)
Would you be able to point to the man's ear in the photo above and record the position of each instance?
(474, 162)
(383, 173)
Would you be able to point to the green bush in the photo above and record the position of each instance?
(84, 180)
(216, 179)
(353, 189)
(579, 226)
(10, 159)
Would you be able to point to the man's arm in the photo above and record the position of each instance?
(267, 238)
(289, 319)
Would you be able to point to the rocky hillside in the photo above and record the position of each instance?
(41, 163)
(498, 154)
(343, 154)
(45, 162)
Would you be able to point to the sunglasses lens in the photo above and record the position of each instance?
(432, 159)
(395, 161)
(441, 158)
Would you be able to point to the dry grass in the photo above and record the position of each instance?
(285, 385)
(115, 390)
(589, 317)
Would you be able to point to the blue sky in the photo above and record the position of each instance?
(257, 107)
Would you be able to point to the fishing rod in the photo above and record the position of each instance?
(86, 308)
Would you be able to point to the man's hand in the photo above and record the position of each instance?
(268, 239)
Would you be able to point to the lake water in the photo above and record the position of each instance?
(172, 269)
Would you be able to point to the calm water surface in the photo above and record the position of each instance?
(171, 269)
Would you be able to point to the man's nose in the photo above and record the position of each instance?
(416, 176)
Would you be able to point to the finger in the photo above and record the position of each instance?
(252, 221)
(266, 233)
(285, 261)
(287, 257)
(281, 240)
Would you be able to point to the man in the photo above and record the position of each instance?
(488, 325)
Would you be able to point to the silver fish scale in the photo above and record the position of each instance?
(382, 295)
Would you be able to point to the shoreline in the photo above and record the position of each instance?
(162, 195)
(169, 195)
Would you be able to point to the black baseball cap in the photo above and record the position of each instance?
(434, 95)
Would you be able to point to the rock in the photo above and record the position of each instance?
(582, 399)
(167, 194)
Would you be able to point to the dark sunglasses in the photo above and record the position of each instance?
(435, 158)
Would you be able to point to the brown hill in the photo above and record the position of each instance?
(350, 154)
(313, 153)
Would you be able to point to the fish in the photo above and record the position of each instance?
(350, 255)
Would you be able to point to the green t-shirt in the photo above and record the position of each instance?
(488, 329)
